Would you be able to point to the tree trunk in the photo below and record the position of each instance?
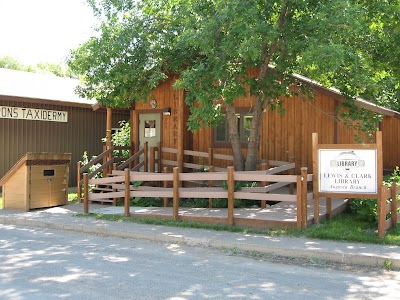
(234, 137)
(254, 138)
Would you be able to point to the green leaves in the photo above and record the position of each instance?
(211, 45)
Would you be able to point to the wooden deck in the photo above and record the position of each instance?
(282, 214)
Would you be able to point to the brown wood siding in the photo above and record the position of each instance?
(283, 137)
(166, 97)
(289, 135)
(83, 132)
(391, 142)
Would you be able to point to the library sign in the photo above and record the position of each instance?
(33, 114)
(348, 171)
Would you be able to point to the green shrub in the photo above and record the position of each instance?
(367, 209)
(147, 202)
(194, 202)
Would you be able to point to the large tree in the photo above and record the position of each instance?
(212, 44)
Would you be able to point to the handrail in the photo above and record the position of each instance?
(101, 168)
(131, 159)
(284, 165)
(96, 159)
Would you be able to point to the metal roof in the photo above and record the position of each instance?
(360, 102)
(40, 86)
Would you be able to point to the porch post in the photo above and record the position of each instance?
(181, 130)
(132, 124)
(108, 136)
(109, 126)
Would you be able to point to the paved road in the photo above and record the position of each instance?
(50, 264)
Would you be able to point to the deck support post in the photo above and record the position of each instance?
(231, 195)
(127, 193)
(299, 204)
(165, 186)
(382, 211)
(393, 205)
(210, 184)
(79, 178)
(304, 197)
(264, 167)
(85, 193)
(175, 213)
(114, 167)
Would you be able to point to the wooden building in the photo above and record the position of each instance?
(283, 137)
(42, 113)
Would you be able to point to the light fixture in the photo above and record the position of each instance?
(167, 111)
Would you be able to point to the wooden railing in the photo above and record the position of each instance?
(134, 159)
(385, 208)
(109, 159)
(83, 169)
(173, 188)
(209, 160)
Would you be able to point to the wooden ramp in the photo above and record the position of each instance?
(282, 214)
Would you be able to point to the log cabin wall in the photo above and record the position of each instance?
(83, 132)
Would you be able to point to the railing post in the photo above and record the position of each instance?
(166, 186)
(131, 153)
(291, 172)
(104, 161)
(299, 204)
(85, 193)
(175, 213)
(231, 195)
(328, 205)
(152, 159)
(264, 167)
(382, 197)
(210, 184)
(393, 206)
(127, 193)
(211, 157)
(114, 190)
(79, 178)
(304, 198)
(145, 156)
(159, 158)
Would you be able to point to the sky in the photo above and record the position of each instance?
(35, 31)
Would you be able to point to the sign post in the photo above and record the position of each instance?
(348, 171)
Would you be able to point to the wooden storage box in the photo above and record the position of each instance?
(37, 180)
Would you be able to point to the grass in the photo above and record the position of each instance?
(351, 228)
(72, 198)
(345, 227)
